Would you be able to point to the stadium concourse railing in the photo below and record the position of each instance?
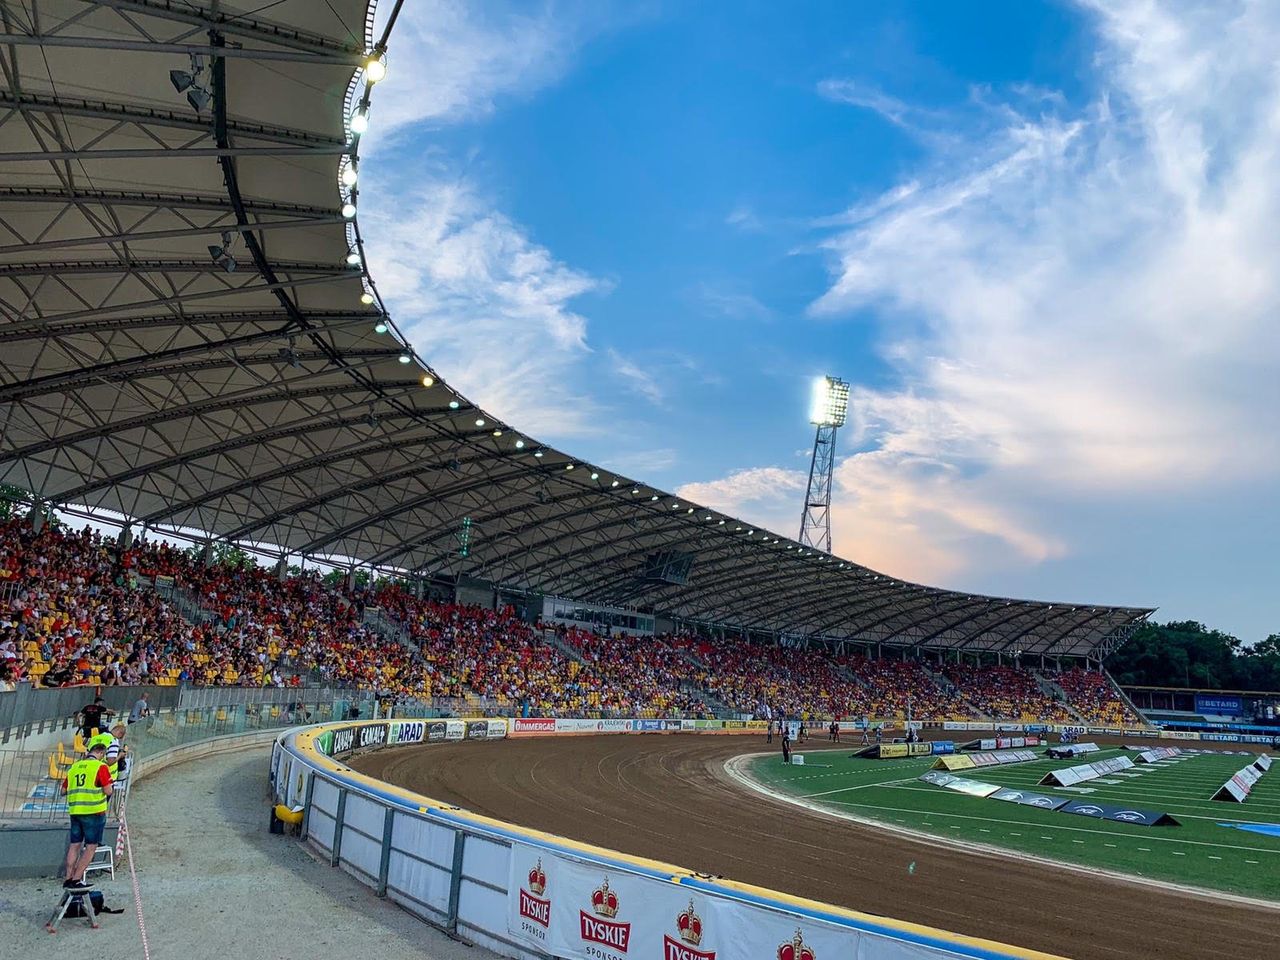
(527, 894)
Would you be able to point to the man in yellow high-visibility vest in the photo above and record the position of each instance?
(88, 788)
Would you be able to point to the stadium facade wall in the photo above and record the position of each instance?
(503, 887)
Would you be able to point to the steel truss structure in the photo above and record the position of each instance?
(186, 344)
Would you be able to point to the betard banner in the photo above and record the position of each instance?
(584, 911)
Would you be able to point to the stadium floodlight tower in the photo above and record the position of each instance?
(828, 413)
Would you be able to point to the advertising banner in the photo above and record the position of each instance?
(958, 762)
(437, 730)
(493, 729)
(892, 750)
(989, 744)
(455, 729)
(672, 724)
(406, 731)
(370, 735)
(584, 911)
(942, 746)
(324, 742)
(954, 725)
(973, 788)
(1219, 704)
(648, 726)
(919, 749)
(1106, 811)
(1263, 763)
(527, 725)
(343, 741)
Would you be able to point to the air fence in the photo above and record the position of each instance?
(525, 894)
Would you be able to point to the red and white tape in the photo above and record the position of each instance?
(137, 893)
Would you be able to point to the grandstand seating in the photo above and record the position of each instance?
(70, 613)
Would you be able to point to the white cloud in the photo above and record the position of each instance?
(483, 304)
(450, 60)
(731, 302)
(767, 496)
(636, 378)
(744, 218)
(640, 464)
(868, 97)
(1081, 312)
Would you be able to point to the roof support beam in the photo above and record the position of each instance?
(150, 235)
(319, 58)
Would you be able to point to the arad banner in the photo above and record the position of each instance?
(588, 911)
(406, 731)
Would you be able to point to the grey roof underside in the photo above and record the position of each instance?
(139, 376)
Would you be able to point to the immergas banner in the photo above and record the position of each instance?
(587, 911)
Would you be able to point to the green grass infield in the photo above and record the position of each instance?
(1200, 852)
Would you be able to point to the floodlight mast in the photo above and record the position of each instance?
(828, 413)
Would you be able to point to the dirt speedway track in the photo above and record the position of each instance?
(668, 798)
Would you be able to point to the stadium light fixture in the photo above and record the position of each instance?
(690, 510)
(594, 475)
(538, 454)
(366, 298)
(353, 258)
(380, 327)
(519, 444)
(375, 68)
(453, 404)
(428, 380)
(479, 421)
(349, 210)
(634, 491)
(830, 404)
(359, 121)
(405, 358)
(653, 498)
(497, 433)
(614, 484)
(350, 174)
(568, 466)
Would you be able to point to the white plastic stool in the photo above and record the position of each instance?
(103, 859)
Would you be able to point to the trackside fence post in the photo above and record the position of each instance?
(338, 817)
(455, 881)
(388, 820)
(306, 807)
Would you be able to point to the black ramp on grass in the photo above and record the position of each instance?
(1105, 811)
(1029, 799)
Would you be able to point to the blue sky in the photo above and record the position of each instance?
(1038, 241)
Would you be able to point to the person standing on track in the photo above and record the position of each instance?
(786, 744)
(88, 788)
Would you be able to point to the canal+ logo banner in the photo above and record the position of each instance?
(590, 911)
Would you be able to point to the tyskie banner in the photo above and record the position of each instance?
(587, 911)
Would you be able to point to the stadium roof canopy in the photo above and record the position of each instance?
(185, 342)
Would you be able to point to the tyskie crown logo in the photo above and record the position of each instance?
(602, 928)
(795, 949)
(532, 904)
(689, 930)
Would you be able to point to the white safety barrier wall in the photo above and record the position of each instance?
(526, 894)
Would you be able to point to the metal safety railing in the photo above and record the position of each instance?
(30, 779)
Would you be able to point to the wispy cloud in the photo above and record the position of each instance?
(483, 303)
(639, 464)
(636, 378)
(1082, 311)
(451, 60)
(744, 218)
(730, 301)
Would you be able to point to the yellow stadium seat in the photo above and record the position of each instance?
(77, 743)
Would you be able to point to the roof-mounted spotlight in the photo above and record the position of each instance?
(353, 258)
(497, 433)
(349, 210)
(568, 466)
(350, 174)
(653, 498)
(199, 98)
(614, 484)
(538, 454)
(366, 298)
(375, 68)
(181, 80)
(428, 380)
(405, 357)
(380, 327)
(594, 475)
(479, 421)
(359, 121)
(453, 404)
(519, 444)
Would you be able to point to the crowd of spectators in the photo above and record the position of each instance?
(75, 608)
(1094, 698)
(1011, 693)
